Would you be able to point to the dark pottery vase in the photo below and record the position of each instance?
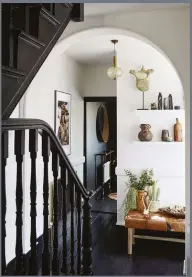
(165, 135)
(145, 134)
(170, 99)
(160, 101)
(153, 106)
(177, 107)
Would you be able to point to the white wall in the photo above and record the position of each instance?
(96, 83)
(167, 160)
(170, 30)
(63, 74)
(164, 29)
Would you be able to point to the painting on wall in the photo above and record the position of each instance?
(63, 119)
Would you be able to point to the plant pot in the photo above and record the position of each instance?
(141, 194)
(154, 207)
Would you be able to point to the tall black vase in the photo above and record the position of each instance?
(170, 100)
(160, 101)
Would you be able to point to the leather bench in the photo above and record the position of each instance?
(153, 221)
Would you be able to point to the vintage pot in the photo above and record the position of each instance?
(140, 204)
(145, 134)
(178, 131)
(165, 135)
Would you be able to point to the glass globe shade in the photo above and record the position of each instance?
(114, 73)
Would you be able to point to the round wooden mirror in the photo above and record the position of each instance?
(102, 124)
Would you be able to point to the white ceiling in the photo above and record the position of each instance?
(99, 49)
(91, 9)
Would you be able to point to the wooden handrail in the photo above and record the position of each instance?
(28, 124)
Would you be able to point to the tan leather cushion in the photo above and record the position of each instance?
(154, 221)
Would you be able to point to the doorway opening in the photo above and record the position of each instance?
(100, 151)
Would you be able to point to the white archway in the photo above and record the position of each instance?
(67, 42)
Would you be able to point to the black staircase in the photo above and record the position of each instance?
(29, 32)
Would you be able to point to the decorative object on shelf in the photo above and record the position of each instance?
(102, 124)
(178, 131)
(63, 119)
(165, 103)
(153, 106)
(165, 135)
(145, 134)
(160, 101)
(114, 72)
(177, 107)
(142, 82)
(170, 102)
(154, 193)
(175, 210)
(169, 139)
(136, 193)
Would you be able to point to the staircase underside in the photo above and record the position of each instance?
(29, 32)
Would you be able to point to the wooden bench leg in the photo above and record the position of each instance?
(133, 236)
(130, 240)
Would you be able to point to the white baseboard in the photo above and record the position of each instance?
(120, 223)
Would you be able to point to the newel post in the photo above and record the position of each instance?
(87, 240)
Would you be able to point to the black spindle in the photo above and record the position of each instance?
(4, 156)
(71, 187)
(86, 239)
(19, 152)
(55, 262)
(33, 148)
(78, 233)
(46, 252)
(64, 268)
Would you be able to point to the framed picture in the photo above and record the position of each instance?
(63, 119)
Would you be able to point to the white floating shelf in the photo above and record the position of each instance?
(149, 110)
(158, 142)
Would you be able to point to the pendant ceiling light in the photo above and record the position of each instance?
(114, 72)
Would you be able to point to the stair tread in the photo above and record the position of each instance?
(51, 18)
(6, 70)
(32, 39)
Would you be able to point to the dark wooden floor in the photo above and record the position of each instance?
(105, 205)
(109, 245)
(149, 257)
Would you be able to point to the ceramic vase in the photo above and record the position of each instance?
(165, 135)
(141, 194)
(145, 134)
(177, 131)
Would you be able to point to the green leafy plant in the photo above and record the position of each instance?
(134, 184)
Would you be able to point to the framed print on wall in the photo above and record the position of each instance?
(63, 119)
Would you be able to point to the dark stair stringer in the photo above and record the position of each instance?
(29, 32)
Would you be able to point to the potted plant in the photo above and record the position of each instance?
(136, 192)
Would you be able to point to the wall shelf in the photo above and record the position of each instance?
(159, 111)
(158, 142)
